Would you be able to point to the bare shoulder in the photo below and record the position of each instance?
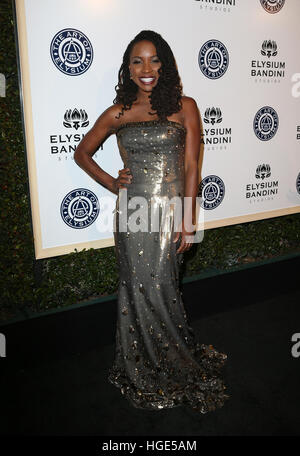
(188, 104)
(108, 119)
(190, 109)
(114, 110)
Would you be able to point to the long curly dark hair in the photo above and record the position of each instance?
(165, 97)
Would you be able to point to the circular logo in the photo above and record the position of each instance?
(272, 6)
(265, 123)
(213, 59)
(71, 52)
(212, 191)
(79, 208)
(298, 183)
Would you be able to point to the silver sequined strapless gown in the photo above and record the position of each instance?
(158, 362)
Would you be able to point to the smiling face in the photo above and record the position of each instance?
(144, 65)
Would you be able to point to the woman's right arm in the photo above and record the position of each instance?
(103, 127)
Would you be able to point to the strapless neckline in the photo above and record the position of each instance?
(144, 123)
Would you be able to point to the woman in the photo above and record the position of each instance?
(158, 363)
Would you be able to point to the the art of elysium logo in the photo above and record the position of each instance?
(272, 6)
(212, 191)
(71, 52)
(213, 59)
(79, 208)
(265, 123)
(298, 183)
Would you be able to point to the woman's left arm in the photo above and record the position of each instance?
(191, 157)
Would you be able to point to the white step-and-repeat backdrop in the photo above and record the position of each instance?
(239, 59)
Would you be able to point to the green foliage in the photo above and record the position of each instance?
(229, 247)
(78, 276)
(34, 286)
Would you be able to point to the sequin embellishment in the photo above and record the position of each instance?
(158, 361)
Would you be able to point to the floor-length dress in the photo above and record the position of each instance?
(158, 361)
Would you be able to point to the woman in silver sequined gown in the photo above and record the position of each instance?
(158, 361)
